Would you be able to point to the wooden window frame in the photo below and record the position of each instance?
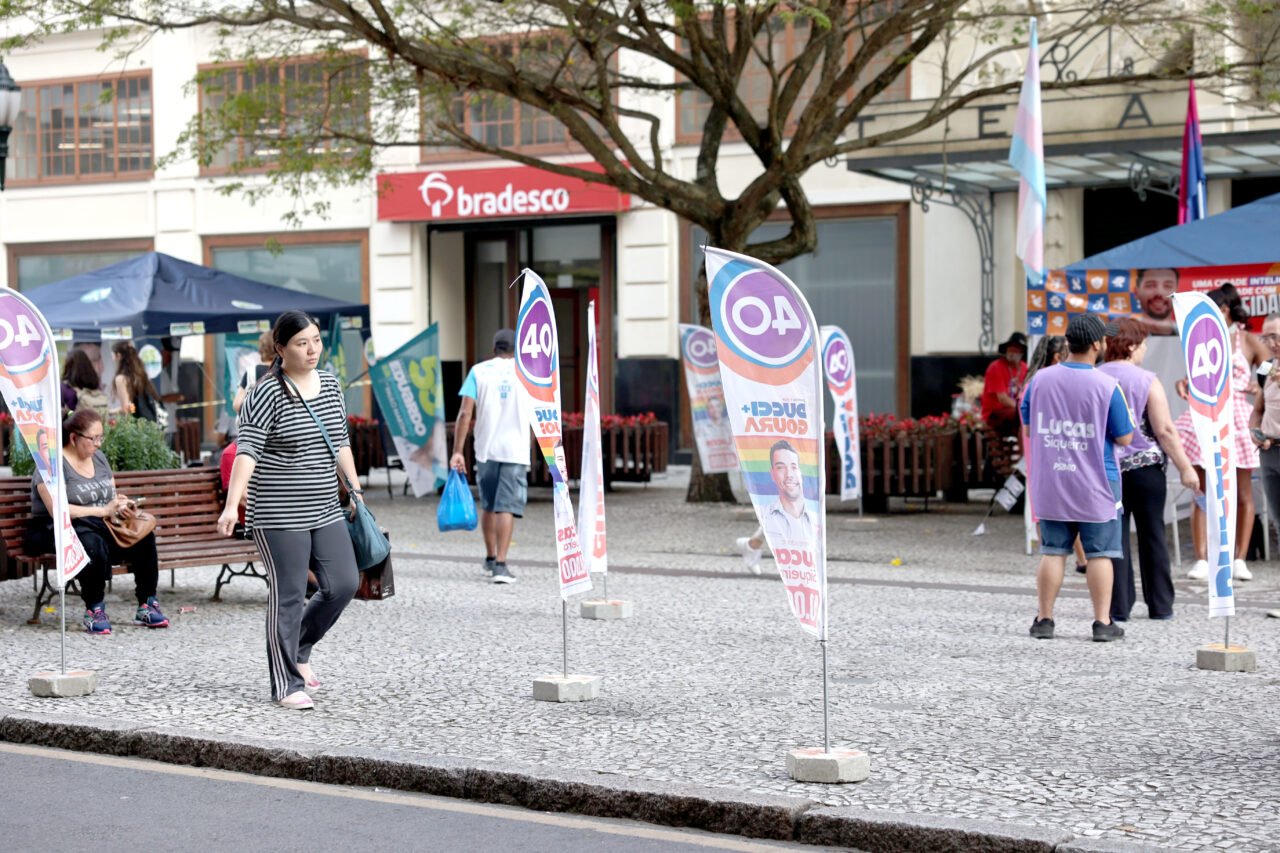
(428, 154)
(731, 133)
(17, 251)
(92, 177)
(900, 212)
(236, 68)
(212, 242)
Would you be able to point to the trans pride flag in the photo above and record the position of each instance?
(1191, 186)
(1026, 154)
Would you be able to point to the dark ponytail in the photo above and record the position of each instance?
(286, 326)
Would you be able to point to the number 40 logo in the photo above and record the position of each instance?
(1206, 359)
(27, 332)
(782, 319)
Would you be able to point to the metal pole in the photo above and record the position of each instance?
(605, 580)
(564, 621)
(826, 724)
(62, 601)
(1226, 639)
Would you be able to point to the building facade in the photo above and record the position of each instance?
(440, 237)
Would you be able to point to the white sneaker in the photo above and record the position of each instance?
(1240, 571)
(1200, 571)
(750, 556)
(297, 701)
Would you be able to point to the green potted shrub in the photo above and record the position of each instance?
(130, 444)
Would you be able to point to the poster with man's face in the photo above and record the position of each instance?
(1145, 295)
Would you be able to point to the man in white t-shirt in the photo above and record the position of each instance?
(502, 449)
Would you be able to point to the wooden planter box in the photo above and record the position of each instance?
(366, 446)
(900, 466)
(631, 454)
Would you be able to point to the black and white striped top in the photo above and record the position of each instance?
(294, 484)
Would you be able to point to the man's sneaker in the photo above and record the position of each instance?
(1240, 571)
(149, 615)
(1200, 571)
(489, 564)
(501, 574)
(750, 556)
(1107, 633)
(96, 621)
(1042, 629)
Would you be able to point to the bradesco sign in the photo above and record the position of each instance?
(461, 194)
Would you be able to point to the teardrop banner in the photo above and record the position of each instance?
(29, 380)
(712, 431)
(1206, 349)
(591, 526)
(841, 370)
(767, 343)
(767, 346)
(538, 366)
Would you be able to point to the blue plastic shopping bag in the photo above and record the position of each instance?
(457, 509)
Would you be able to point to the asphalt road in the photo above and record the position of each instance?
(121, 804)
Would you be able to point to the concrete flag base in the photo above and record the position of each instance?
(566, 688)
(59, 685)
(830, 768)
(610, 609)
(1231, 659)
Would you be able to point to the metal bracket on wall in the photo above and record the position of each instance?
(1148, 175)
(978, 204)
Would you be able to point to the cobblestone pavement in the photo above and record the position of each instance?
(932, 672)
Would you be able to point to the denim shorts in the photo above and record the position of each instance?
(504, 486)
(1099, 538)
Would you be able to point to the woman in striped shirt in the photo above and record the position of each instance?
(285, 465)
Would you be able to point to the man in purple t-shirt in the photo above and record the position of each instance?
(1074, 416)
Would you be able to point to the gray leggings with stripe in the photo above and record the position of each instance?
(294, 624)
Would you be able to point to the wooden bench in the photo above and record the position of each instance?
(186, 503)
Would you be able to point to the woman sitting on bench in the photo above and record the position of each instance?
(91, 499)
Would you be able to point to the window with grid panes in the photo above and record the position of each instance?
(82, 130)
(499, 121)
(298, 94)
(786, 40)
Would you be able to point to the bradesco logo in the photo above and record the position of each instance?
(438, 193)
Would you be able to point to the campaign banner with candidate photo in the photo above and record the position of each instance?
(1146, 295)
(712, 431)
(591, 528)
(410, 393)
(32, 387)
(767, 346)
(538, 366)
(1206, 349)
(841, 370)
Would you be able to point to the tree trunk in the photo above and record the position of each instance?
(706, 488)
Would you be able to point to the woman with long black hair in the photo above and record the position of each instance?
(134, 394)
(285, 465)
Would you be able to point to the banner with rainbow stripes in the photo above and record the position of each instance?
(30, 384)
(767, 345)
(711, 429)
(538, 366)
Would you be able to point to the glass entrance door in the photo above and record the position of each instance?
(570, 258)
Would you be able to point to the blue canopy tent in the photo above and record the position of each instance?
(154, 295)
(1243, 235)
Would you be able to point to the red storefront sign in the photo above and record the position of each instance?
(451, 195)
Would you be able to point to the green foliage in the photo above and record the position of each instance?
(20, 458)
(131, 444)
(136, 444)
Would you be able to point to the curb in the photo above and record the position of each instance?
(543, 788)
